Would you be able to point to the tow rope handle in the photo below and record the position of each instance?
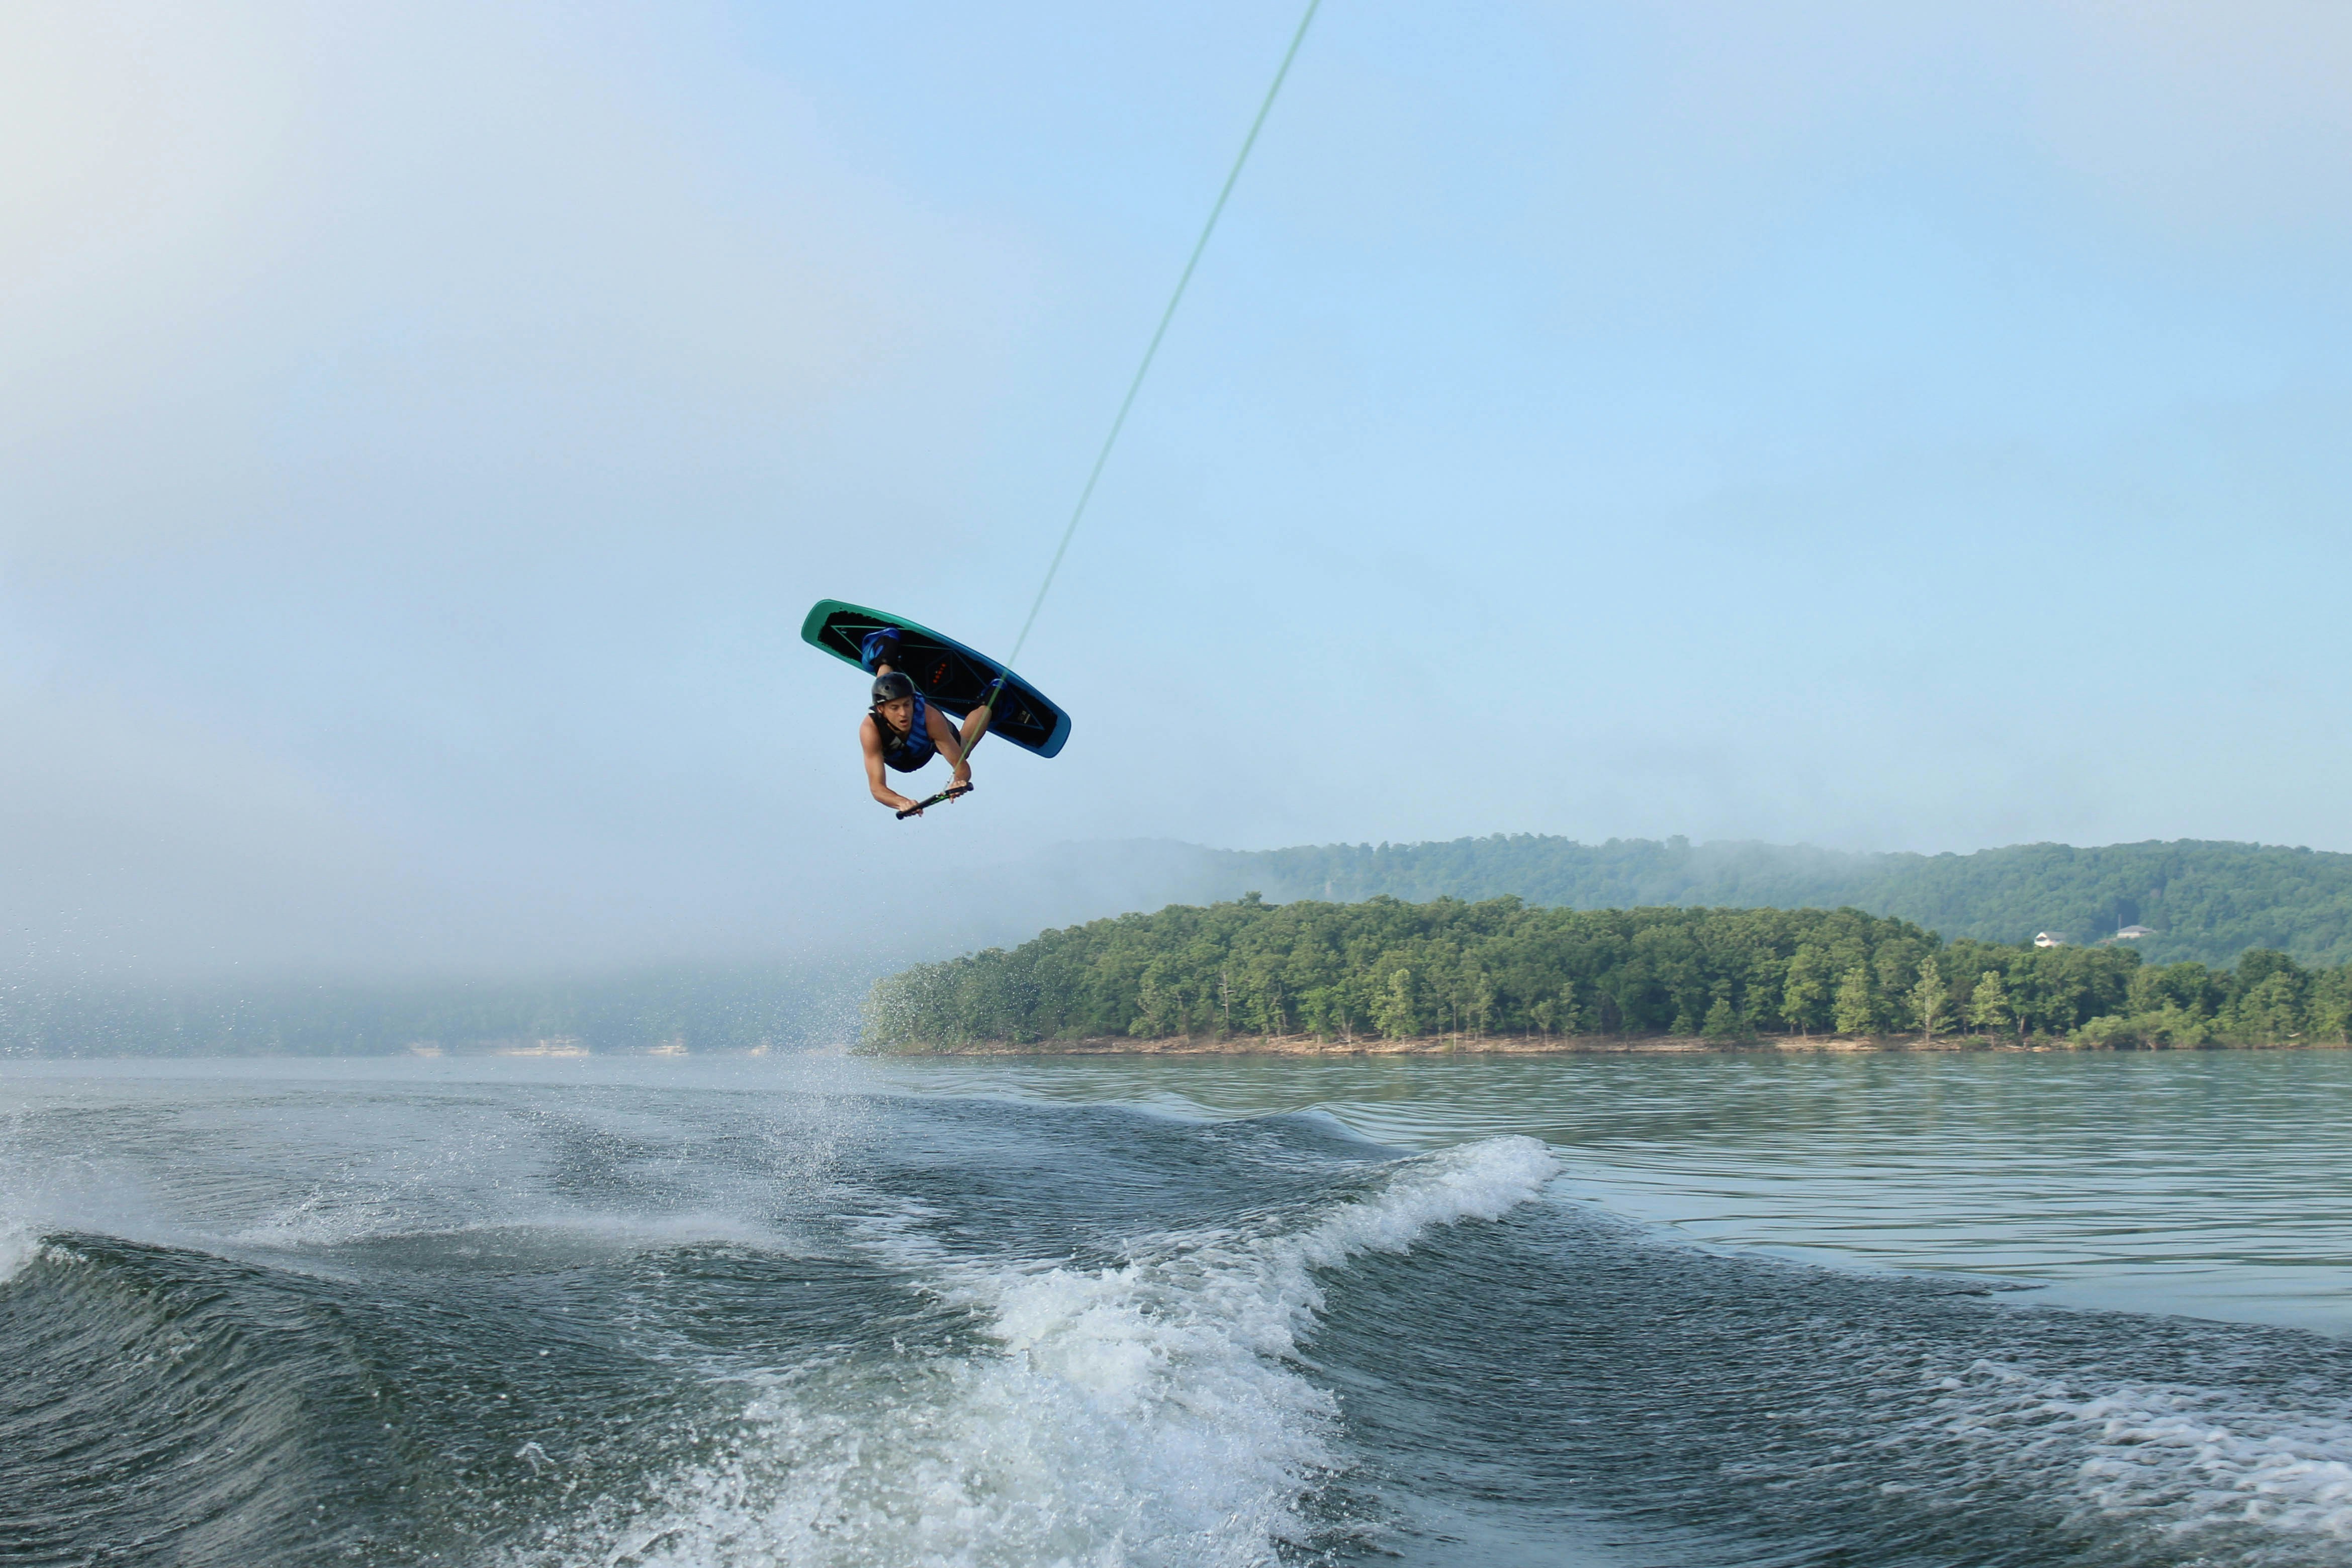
(952, 792)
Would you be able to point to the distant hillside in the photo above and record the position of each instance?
(2206, 901)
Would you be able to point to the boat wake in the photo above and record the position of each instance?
(1146, 1412)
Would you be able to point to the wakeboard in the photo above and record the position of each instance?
(949, 675)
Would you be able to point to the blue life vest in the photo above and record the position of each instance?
(911, 750)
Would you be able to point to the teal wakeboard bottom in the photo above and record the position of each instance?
(950, 676)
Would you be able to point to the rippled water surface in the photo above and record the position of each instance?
(1666, 1310)
(2212, 1183)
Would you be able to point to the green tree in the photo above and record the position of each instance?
(2330, 1005)
(2266, 996)
(1157, 1011)
(2271, 1010)
(1988, 1006)
(1807, 988)
(1929, 997)
(1482, 997)
(1393, 1009)
(1856, 1010)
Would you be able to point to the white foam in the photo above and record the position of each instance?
(2183, 1461)
(1143, 1414)
(321, 1218)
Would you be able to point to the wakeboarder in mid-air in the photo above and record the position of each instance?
(903, 732)
(924, 683)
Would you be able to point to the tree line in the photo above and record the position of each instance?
(2207, 901)
(1499, 968)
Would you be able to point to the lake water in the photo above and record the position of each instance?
(1743, 1308)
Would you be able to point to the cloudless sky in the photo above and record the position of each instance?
(423, 427)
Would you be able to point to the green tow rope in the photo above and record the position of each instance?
(1182, 282)
(1165, 316)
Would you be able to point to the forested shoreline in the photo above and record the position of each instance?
(2204, 900)
(1502, 970)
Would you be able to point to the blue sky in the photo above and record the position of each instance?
(421, 430)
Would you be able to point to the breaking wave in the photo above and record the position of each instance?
(1146, 1412)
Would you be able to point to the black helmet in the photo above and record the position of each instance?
(889, 688)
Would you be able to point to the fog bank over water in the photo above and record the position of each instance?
(273, 928)
(512, 970)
